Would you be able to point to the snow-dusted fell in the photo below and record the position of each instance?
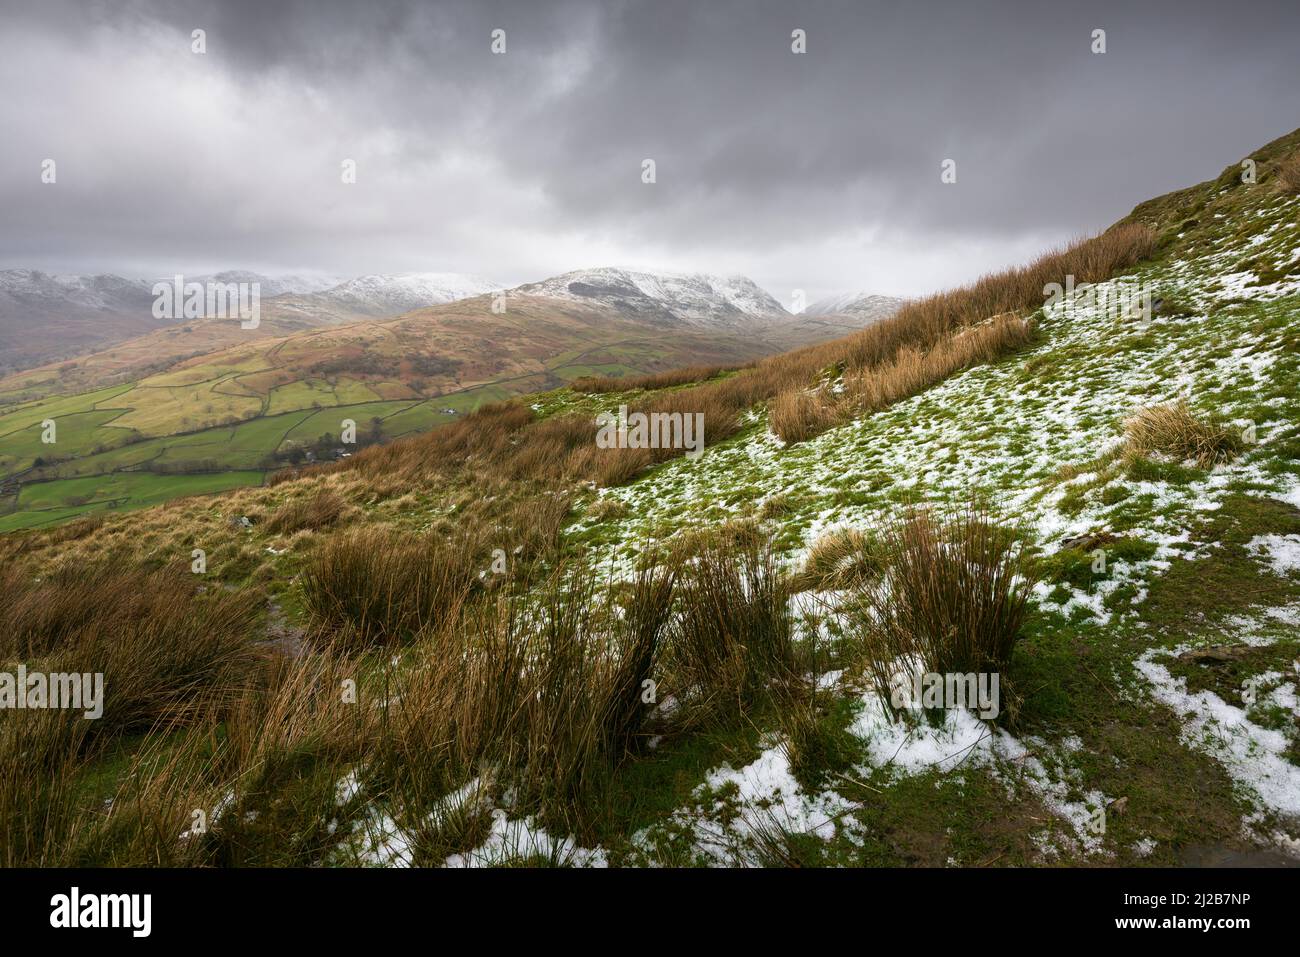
(32, 288)
(392, 295)
(697, 300)
(271, 286)
(864, 306)
(49, 316)
(109, 292)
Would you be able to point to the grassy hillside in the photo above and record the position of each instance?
(498, 643)
(266, 401)
(144, 355)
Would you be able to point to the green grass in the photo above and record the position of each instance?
(90, 443)
(47, 503)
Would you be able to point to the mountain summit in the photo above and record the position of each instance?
(392, 295)
(697, 300)
(867, 307)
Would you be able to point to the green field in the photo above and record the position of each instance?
(243, 411)
(48, 503)
(94, 465)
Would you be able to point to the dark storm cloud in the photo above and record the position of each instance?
(812, 171)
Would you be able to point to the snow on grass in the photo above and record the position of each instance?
(1261, 627)
(1255, 756)
(962, 740)
(1009, 428)
(1291, 495)
(521, 840)
(733, 809)
(377, 840)
(1282, 552)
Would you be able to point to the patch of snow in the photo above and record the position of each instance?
(513, 839)
(1254, 756)
(1281, 551)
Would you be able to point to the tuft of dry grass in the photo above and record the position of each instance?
(952, 598)
(841, 558)
(604, 509)
(280, 476)
(543, 698)
(1288, 174)
(913, 372)
(1172, 429)
(797, 416)
(378, 585)
(319, 511)
(732, 649)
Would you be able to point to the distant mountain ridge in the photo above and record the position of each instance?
(697, 300)
(869, 307)
(47, 319)
(382, 295)
(271, 286)
(51, 317)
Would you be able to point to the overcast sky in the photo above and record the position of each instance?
(817, 171)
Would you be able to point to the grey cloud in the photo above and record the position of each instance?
(820, 170)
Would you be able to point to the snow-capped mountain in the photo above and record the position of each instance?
(50, 316)
(864, 306)
(271, 286)
(32, 288)
(392, 295)
(697, 300)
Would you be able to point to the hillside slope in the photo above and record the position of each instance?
(1151, 710)
(48, 319)
(211, 398)
(269, 400)
(143, 345)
